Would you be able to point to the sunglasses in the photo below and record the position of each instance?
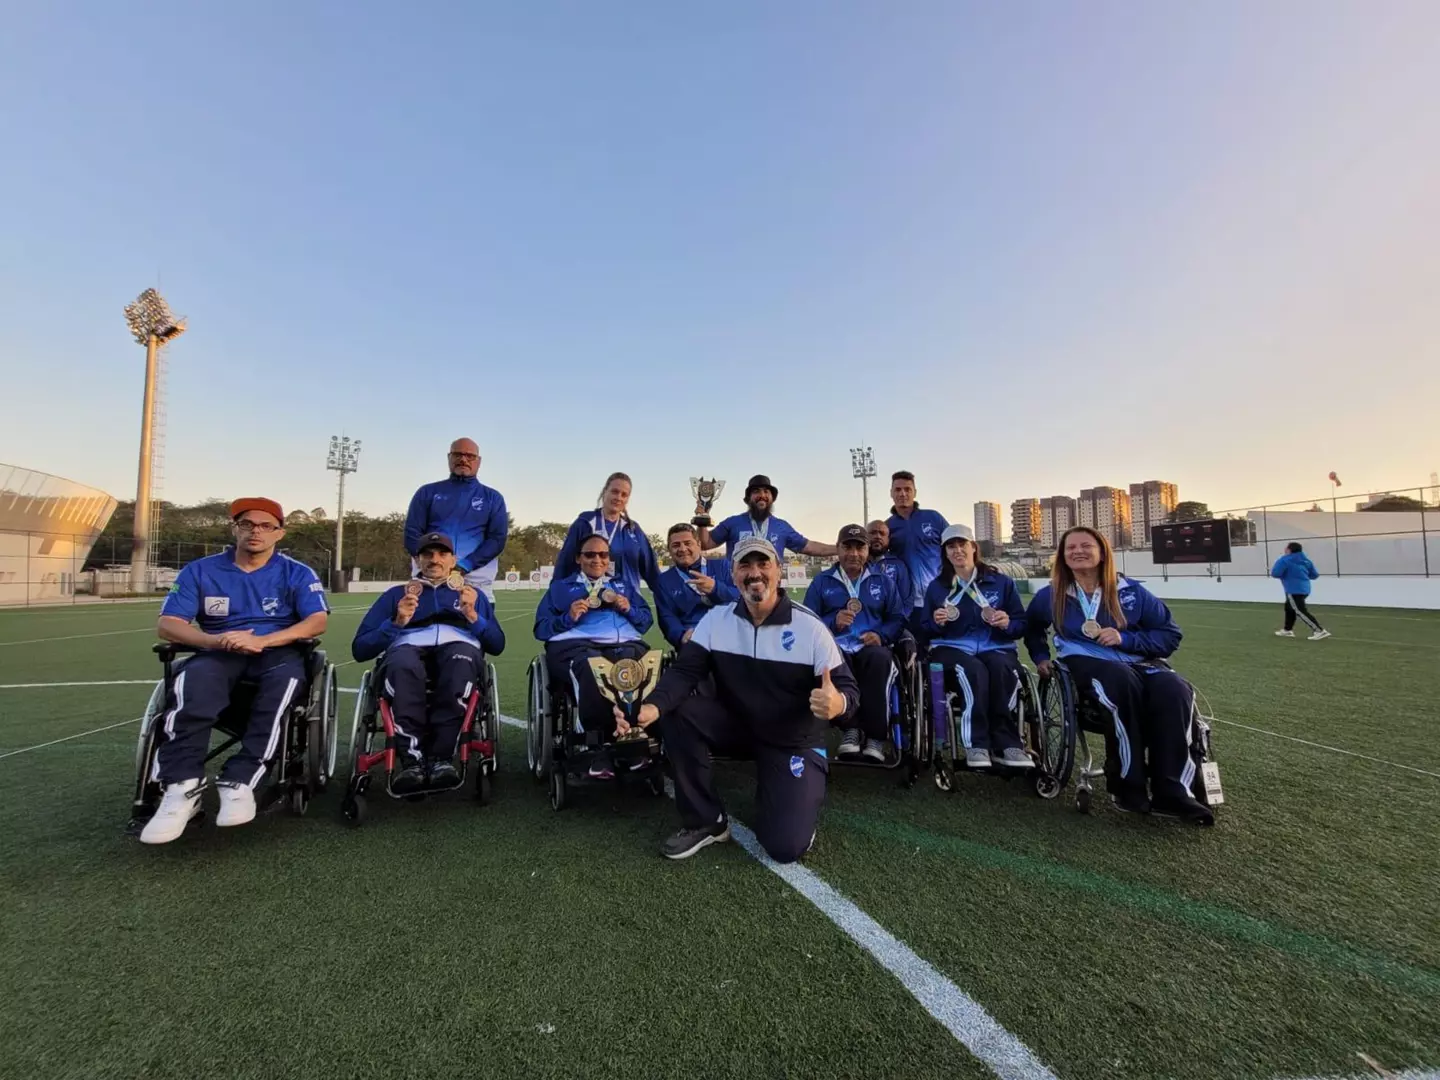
(595, 554)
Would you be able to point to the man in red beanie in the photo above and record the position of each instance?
(244, 609)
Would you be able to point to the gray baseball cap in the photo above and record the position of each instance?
(751, 545)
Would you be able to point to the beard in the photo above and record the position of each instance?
(756, 589)
(760, 513)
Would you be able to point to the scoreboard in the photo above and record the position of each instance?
(1205, 541)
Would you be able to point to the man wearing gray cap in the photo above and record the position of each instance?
(780, 683)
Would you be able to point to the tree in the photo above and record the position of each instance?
(1190, 511)
(1395, 504)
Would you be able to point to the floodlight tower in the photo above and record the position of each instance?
(154, 326)
(862, 468)
(344, 458)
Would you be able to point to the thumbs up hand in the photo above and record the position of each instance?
(826, 703)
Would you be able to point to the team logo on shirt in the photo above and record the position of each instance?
(992, 597)
(270, 605)
(797, 765)
(1128, 599)
(478, 503)
(217, 605)
(928, 531)
(787, 640)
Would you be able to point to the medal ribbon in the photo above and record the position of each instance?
(1090, 605)
(690, 581)
(609, 534)
(596, 586)
(964, 587)
(763, 533)
(852, 587)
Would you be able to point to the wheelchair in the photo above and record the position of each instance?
(1075, 712)
(373, 743)
(1042, 741)
(304, 762)
(909, 733)
(559, 754)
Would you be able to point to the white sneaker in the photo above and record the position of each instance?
(1284, 633)
(237, 803)
(1319, 635)
(849, 743)
(977, 757)
(874, 750)
(1016, 758)
(180, 803)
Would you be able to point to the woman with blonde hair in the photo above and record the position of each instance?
(1114, 636)
(632, 559)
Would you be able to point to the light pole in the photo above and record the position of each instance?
(862, 467)
(344, 458)
(153, 325)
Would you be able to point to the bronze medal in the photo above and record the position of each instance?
(414, 588)
(854, 606)
(456, 580)
(1090, 628)
(951, 613)
(609, 596)
(592, 601)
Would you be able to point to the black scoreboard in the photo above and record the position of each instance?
(1191, 542)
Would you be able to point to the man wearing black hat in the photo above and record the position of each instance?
(433, 631)
(760, 496)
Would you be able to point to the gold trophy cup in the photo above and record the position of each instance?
(626, 683)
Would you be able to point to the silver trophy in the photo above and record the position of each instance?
(705, 492)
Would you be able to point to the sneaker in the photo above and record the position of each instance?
(1130, 801)
(874, 750)
(687, 842)
(1016, 758)
(977, 757)
(237, 803)
(1284, 633)
(442, 774)
(1319, 635)
(1185, 808)
(849, 743)
(180, 803)
(601, 769)
(409, 780)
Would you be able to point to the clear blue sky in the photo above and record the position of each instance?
(1019, 248)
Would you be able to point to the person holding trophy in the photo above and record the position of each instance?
(591, 613)
(691, 587)
(780, 682)
(433, 631)
(632, 560)
(971, 619)
(760, 495)
(867, 614)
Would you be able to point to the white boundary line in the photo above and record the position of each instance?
(956, 1011)
(1332, 749)
(67, 738)
(51, 685)
(77, 637)
(1404, 1074)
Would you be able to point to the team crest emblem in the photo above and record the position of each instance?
(797, 765)
(1127, 599)
(270, 605)
(787, 640)
(478, 503)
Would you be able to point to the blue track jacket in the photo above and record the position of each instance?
(605, 625)
(1150, 632)
(884, 611)
(1295, 571)
(438, 605)
(631, 557)
(970, 633)
(893, 567)
(472, 515)
(680, 607)
(916, 540)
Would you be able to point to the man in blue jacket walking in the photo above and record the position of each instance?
(1296, 571)
(472, 515)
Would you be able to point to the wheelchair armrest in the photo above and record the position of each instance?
(168, 650)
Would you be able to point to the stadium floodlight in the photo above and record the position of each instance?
(153, 325)
(862, 468)
(343, 458)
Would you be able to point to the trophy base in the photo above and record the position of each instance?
(701, 521)
(635, 734)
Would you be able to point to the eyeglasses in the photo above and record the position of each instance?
(464, 457)
(256, 526)
(595, 554)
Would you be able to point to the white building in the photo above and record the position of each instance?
(1057, 513)
(987, 521)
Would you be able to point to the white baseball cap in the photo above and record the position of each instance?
(749, 545)
(957, 532)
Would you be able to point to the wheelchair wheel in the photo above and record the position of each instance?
(359, 733)
(330, 728)
(1057, 725)
(484, 783)
(1082, 800)
(557, 789)
(352, 810)
(656, 784)
(494, 704)
(539, 725)
(153, 709)
(299, 799)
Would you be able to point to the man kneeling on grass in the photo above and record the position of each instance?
(244, 609)
(780, 682)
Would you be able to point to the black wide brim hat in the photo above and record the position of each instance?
(760, 480)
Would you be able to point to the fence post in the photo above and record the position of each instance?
(1335, 528)
(27, 567)
(1424, 537)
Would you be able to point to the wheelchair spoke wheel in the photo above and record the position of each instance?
(331, 728)
(1056, 724)
(299, 799)
(494, 706)
(557, 789)
(359, 726)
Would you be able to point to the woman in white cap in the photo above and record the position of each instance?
(971, 620)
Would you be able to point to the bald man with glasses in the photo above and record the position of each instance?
(472, 515)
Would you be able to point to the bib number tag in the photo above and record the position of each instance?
(1210, 774)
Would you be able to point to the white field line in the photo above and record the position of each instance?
(77, 637)
(67, 738)
(1404, 1074)
(1332, 749)
(52, 685)
(1334, 637)
(956, 1011)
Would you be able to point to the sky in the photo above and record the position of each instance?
(1018, 249)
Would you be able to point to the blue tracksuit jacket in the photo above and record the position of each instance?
(895, 569)
(632, 559)
(779, 531)
(436, 605)
(680, 608)
(605, 625)
(917, 541)
(1295, 571)
(472, 515)
(970, 633)
(1150, 632)
(884, 610)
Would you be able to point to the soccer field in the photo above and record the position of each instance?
(1298, 938)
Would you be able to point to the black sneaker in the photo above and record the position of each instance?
(442, 774)
(409, 780)
(687, 842)
(1130, 801)
(1187, 809)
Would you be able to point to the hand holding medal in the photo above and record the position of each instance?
(455, 580)
(409, 602)
(1090, 607)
